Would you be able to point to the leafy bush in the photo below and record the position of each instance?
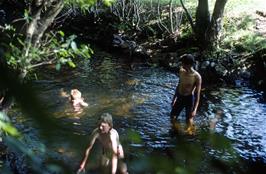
(55, 48)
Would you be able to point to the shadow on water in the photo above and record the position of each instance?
(139, 100)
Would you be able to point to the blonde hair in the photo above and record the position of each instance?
(75, 93)
(106, 118)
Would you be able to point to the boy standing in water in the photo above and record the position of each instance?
(111, 148)
(187, 94)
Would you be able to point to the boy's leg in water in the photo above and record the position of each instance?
(189, 103)
(176, 109)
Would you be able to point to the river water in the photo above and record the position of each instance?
(139, 101)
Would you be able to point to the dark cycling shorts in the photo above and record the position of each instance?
(182, 102)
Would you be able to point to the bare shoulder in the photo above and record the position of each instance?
(181, 69)
(95, 133)
(114, 136)
(197, 75)
(113, 132)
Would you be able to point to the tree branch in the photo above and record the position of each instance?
(51, 61)
(188, 16)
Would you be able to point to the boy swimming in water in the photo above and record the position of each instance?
(77, 100)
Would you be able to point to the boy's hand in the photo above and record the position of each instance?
(81, 168)
(193, 113)
(173, 102)
(120, 151)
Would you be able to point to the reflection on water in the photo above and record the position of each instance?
(140, 100)
(244, 121)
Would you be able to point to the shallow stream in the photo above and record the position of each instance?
(139, 101)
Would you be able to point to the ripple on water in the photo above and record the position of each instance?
(140, 100)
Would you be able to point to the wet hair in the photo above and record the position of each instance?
(106, 118)
(75, 93)
(187, 59)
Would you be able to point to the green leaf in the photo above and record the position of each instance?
(65, 45)
(7, 127)
(21, 42)
(71, 64)
(58, 66)
(74, 46)
(10, 130)
(61, 33)
(63, 53)
(108, 2)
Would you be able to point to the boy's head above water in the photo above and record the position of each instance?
(75, 94)
(187, 59)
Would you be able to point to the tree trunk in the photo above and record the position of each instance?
(171, 16)
(43, 14)
(202, 21)
(46, 20)
(190, 20)
(216, 22)
(32, 26)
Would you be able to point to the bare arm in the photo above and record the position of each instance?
(176, 90)
(175, 96)
(115, 145)
(87, 152)
(120, 151)
(197, 90)
(83, 103)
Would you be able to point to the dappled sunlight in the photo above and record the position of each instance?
(183, 128)
(105, 101)
(133, 82)
(141, 100)
(246, 7)
(123, 109)
(245, 33)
